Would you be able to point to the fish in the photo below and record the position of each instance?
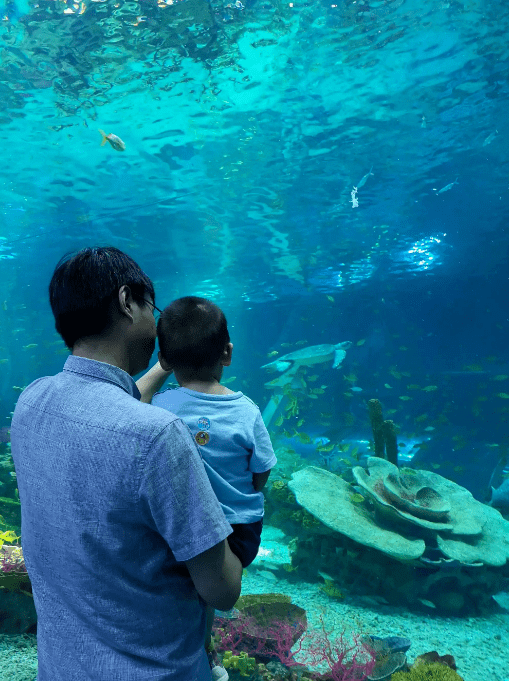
(115, 141)
(29, 346)
(279, 421)
(500, 497)
(501, 377)
(326, 448)
(364, 179)
(300, 422)
(447, 187)
(430, 388)
(356, 389)
(361, 342)
(229, 380)
(273, 353)
(304, 438)
(330, 298)
(490, 138)
(429, 429)
(504, 396)
(405, 398)
(389, 387)
(357, 498)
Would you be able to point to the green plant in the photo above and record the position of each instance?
(428, 672)
(243, 663)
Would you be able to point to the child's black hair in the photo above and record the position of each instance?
(85, 284)
(192, 333)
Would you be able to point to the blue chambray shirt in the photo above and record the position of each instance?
(114, 496)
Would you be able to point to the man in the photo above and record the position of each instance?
(123, 538)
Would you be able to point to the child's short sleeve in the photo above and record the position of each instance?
(263, 457)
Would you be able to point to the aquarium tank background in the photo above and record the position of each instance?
(335, 177)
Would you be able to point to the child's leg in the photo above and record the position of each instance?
(208, 630)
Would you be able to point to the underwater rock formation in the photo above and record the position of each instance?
(452, 549)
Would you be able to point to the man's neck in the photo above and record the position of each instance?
(102, 353)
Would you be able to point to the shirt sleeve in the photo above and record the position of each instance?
(176, 496)
(263, 457)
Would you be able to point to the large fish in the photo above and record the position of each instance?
(500, 497)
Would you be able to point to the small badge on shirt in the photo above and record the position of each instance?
(202, 437)
(204, 423)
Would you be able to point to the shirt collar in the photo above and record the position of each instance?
(103, 372)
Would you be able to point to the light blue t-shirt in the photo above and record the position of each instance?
(233, 442)
(114, 497)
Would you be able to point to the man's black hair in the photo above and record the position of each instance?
(192, 333)
(84, 288)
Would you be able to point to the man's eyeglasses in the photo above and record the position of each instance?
(154, 308)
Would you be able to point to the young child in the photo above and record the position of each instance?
(227, 426)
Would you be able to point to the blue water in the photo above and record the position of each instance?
(248, 129)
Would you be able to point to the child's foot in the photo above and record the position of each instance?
(219, 673)
(232, 614)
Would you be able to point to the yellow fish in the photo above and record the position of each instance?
(279, 421)
(29, 346)
(430, 388)
(304, 438)
(303, 342)
(357, 498)
(330, 298)
(326, 448)
(273, 353)
(115, 141)
(501, 377)
(300, 422)
(386, 385)
(361, 342)
(405, 398)
(504, 396)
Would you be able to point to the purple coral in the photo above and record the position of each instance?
(346, 661)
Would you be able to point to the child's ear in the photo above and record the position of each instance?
(227, 355)
(164, 364)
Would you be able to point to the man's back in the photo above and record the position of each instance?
(113, 494)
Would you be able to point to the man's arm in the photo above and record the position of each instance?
(217, 576)
(151, 382)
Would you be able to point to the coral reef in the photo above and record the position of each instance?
(259, 634)
(428, 672)
(415, 538)
(244, 664)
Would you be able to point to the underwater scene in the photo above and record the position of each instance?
(336, 178)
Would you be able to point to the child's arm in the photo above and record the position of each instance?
(151, 382)
(259, 480)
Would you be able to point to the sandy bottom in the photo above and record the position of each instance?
(480, 645)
